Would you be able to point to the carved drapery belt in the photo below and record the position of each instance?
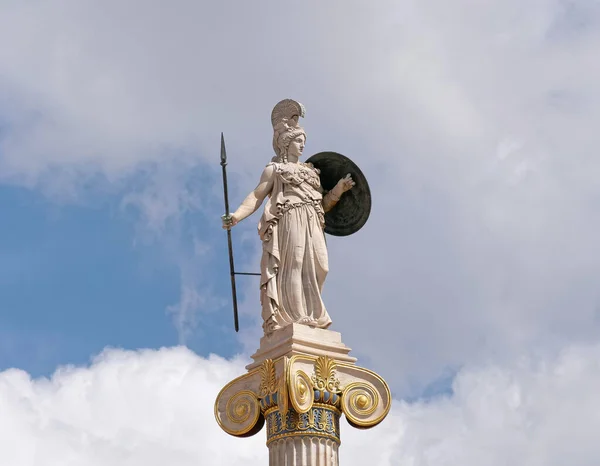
(316, 203)
(287, 206)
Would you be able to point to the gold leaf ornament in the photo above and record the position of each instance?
(268, 379)
(324, 378)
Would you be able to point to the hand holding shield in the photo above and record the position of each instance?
(339, 174)
(345, 184)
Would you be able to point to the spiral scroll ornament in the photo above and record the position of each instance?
(242, 414)
(360, 401)
(300, 391)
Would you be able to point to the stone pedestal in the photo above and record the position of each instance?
(298, 339)
(301, 382)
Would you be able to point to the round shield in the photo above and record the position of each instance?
(354, 207)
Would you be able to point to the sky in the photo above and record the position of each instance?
(472, 289)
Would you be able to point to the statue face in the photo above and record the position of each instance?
(296, 146)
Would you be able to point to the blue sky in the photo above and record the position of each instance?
(75, 279)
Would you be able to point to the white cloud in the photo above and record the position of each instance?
(156, 407)
(469, 256)
(475, 123)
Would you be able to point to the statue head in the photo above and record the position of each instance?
(288, 136)
(288, 139)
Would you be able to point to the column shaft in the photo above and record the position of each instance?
(303, 451)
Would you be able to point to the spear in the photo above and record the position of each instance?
(229, 244)
(232, 271)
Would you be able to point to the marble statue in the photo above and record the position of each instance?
(294, 260)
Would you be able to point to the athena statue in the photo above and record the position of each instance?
(294, 260)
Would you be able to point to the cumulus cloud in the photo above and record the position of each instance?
(473, 121)
(156, 407)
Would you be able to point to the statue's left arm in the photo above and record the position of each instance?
(332, 197)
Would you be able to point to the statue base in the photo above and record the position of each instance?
(301, 382)
(301, 339)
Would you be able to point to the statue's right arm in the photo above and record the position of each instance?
(255, 199)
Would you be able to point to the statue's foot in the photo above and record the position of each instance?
(308, 321)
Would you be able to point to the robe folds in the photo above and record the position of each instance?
(294, 260)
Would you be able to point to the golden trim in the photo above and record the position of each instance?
(248, 375)
(328, 407)
(270, 410)
(301, 394)
(387, 406)
(233, 405)
(250, 426)
(350, 409)
(303, 434)
(283, 393)
(362, 391)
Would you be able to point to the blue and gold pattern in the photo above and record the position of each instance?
(326, 385)
(315, 402)
(320, 421)
(325, 396)
(268, 401)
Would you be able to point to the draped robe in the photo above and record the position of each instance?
(294, 261)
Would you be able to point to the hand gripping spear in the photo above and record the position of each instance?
(232, 271)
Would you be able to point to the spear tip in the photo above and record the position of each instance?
(223, 153)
